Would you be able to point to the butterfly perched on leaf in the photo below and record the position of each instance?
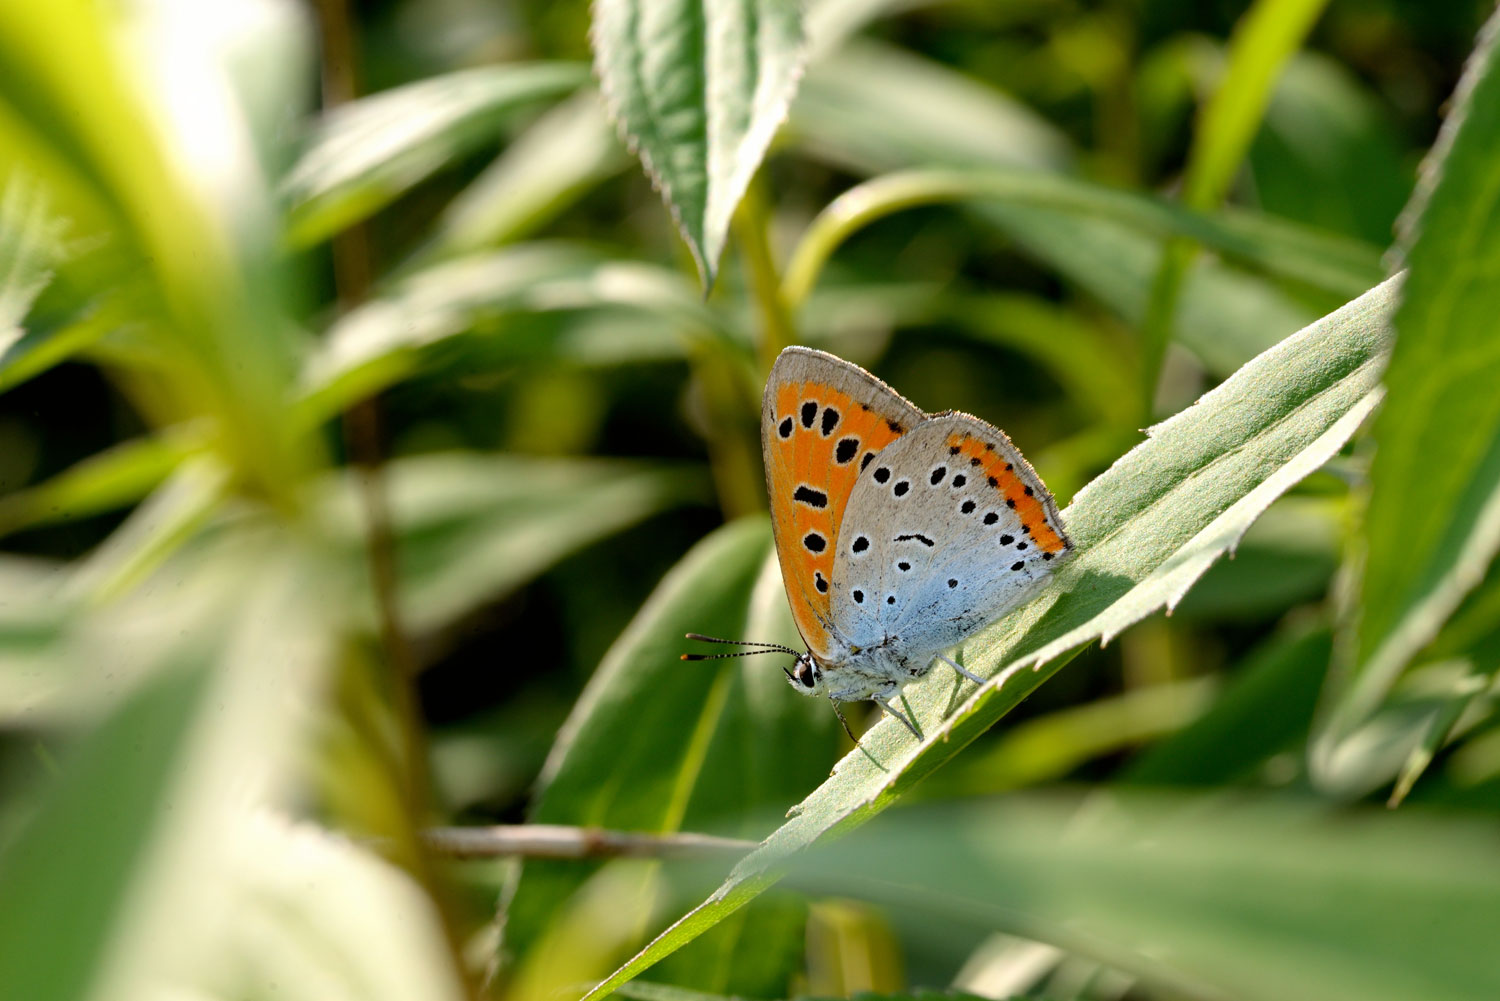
(899, 533)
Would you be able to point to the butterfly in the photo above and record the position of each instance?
(899, 533)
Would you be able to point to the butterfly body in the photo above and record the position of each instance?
(899, 533)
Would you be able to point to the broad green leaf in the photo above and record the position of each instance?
(382, 341)
(1288, 557)
(369, 151)
(698, 88)
(655, 744)
(871, 107)
(1261, 900)
(179, 198)
(1433, 522)
(1327, 154)
(320, 918)
(1265, 709)
(34, 622)
(93, 832)
(545, 169)
(1048, 748)
(470, 528)
(1145, 531)
(122, 865)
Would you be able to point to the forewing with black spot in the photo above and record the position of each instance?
(822, 421)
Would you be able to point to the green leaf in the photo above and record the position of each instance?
(1225, 316)
(1433, 522)
(1327, 154)
(470, 528)
(1264, 710)
(1257, 900)
(1340, 266)
(127, 853)
(113, 478)
(383, 341)
(698, 88)
(1048, 748)
(1288, 557)
(654, 744)
(1145, 531)
(1264, 39)
(872, 107)
(642, 990)
(554, 162)
(172, 188)
(30, 242)
(368, 152)
(320, 918)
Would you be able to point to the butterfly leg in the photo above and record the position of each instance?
(842, 721)
(959, 668)
(882, 703)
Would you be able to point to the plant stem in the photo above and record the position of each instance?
(353, 270)
(751, 225)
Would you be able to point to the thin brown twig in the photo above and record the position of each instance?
(353, 274)
(556, 841)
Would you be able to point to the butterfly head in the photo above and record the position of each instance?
(806, 677)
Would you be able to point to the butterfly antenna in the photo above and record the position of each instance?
(726, 656)
(763, 648)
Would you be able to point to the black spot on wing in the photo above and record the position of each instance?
(814, 542)
(844, 453)
(809, 413)
(830, 421)
(916, 537)
(810, 497)
(785, 427)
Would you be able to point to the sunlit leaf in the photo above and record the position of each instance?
(1145, 531)
(114, 478)
(120, 867)
(698, 88)
(1433, 524)
(546, 168)
(319, 918)
(368, 152)
(382, 341)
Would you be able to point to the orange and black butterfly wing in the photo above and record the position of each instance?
(822, 421)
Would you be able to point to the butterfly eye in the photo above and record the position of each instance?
(805, 675)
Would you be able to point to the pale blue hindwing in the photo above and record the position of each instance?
(917, 608)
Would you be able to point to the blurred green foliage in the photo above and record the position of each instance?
(370, 434)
